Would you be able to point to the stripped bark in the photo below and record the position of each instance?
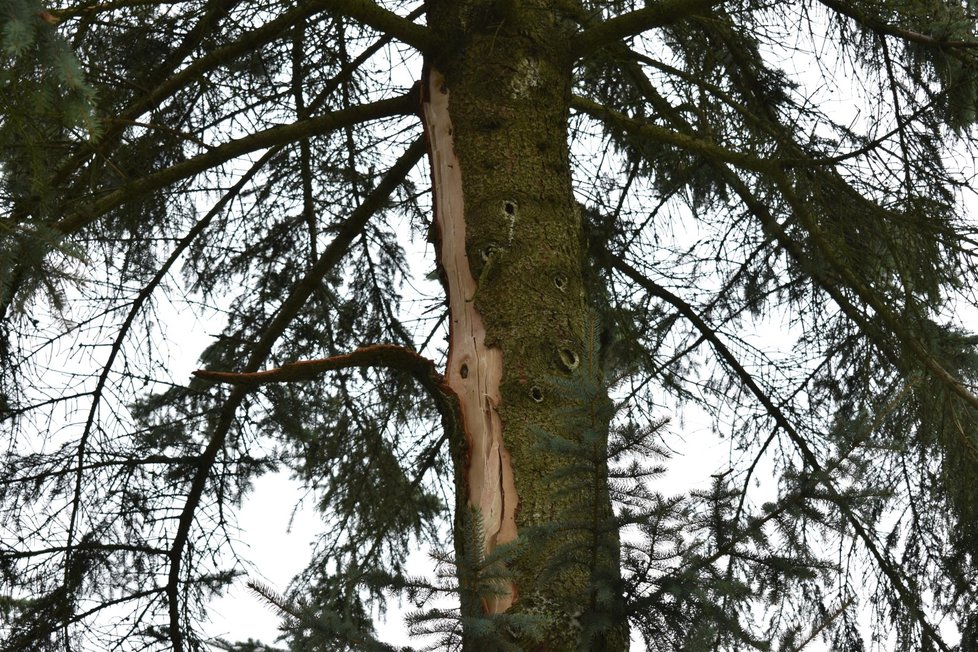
(474, 369)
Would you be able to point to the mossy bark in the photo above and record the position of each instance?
(507, 78)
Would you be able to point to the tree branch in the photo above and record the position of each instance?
(880, 27)
(389, 356)
(386, 22)
(170, 82)
(865, 293)
(662, 13)
(403, 105)
(669, 137)
(889, 569)
(134, 310)
(87, 547)
(331, 257)
(775, 170)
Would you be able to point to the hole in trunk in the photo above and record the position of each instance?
(569, 359)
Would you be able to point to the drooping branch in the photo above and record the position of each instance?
(123, 332)
(386, 356)
(894, 323)
(719, 158)
(631, 67)
(887, 566)
(839, 270)
(878, 26)
(660, 14)
(684, 141)
(331, 257)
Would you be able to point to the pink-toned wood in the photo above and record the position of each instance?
(474, 370)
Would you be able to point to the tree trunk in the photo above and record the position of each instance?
(512, 256)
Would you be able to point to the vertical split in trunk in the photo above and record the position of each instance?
(474, 369)
(513, 258)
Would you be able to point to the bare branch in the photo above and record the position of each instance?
(387, 356)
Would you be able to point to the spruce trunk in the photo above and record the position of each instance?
(511, 250)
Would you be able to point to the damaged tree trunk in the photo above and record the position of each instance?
(512, 258)
(474, 370)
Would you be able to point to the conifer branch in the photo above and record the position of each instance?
(384, 356)
(333, 254)
(828, 620)
(886, 565)
(801, 210)
(848, 10)
(87, 547)
(660, 14)
(895, 324)
(403, 105)
(776, 169)
(166, 81)
(123, 332)
(386, 22)
(65, 13)
(273, 598)
(681, 140)
(647, 89)
(131, 463)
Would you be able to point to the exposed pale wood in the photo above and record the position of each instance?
(474, 370)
